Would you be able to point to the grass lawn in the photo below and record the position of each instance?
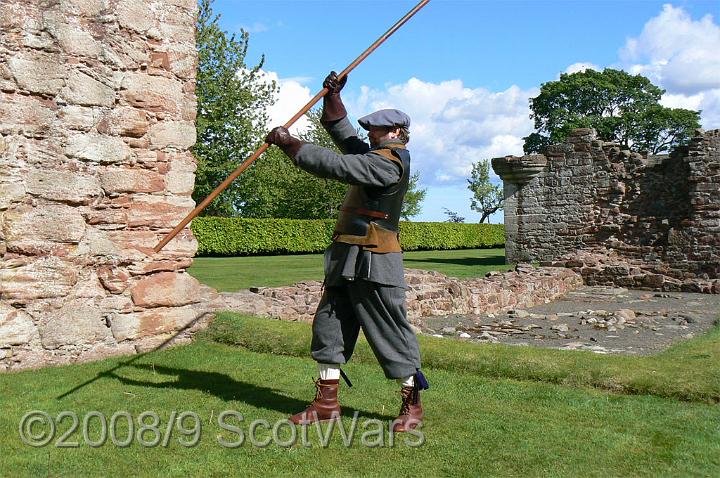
(478, 423)
(229, 274)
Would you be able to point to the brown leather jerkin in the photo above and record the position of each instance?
(377, 240)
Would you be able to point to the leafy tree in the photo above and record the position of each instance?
(330, 194)
(487, 197)
(282, 190)
(231, 115)
(662, 129)
(452, 216)
(621, 107)
(413, 198)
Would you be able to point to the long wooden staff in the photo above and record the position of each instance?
(292, 120)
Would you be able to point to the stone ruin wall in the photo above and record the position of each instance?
(97, 113)
(429, 294)
(616, 216)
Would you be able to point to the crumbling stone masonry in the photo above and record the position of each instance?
(615, 216)
(429, 294)
(97, 113)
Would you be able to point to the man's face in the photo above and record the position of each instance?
(379, 134)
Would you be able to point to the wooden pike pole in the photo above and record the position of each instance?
(292, 120)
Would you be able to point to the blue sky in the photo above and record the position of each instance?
(465, 69)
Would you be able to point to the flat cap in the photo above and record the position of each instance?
(385, 118)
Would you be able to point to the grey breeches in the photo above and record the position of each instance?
(380, 311)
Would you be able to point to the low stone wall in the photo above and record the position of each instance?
(429, 294)
(606, 267)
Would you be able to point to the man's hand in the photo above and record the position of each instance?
(282, 138)
(279, 136)
(333, 84)
(333, 108)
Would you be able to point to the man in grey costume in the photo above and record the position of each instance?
(364, 278)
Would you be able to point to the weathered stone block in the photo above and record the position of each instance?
(124, 121)
(34, 35)
(161, 266)
(165, 289)
(16, 326)
(180, 179)
(71, 37)
(98, 148)
(10, 192)
(88, 287)
(38, 73)
(76, 117)
(159, 211)
(55, 223)
(96, 242)
(135, 15)
(22, 280)
(654, 281)
(153, 93)
(82, 89)
(26, 115)
(118, 180)
(174, 134)
(152, 322)
(136, 245)
(182, 60)
(9, 20)
(64, 186)
(114, 279)
(85, 8)
(77, 322)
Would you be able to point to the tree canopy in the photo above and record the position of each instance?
(231, 123)
(231, 113)
(621, 107)
(487, 197)
(276, 188)
(413, 198)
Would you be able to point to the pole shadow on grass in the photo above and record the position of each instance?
(227, 389)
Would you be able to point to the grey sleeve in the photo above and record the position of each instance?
(358, 169)
(345, 137)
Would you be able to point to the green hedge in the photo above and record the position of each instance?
(221, 236)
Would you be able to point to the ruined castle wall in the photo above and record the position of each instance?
(661, 213)
(564, 185)
(97, 113)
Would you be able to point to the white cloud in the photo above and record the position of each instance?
(582, 66)
(452, 126)
(691, 102)
(680, 55)
(676, 51)
(292, 96)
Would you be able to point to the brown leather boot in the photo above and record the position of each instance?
(411, 412)
(324, 408)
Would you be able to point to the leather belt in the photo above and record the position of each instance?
(365, 212)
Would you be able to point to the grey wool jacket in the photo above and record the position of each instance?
(358, 165)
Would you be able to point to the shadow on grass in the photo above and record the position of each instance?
(463, 261)
(228, 389)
